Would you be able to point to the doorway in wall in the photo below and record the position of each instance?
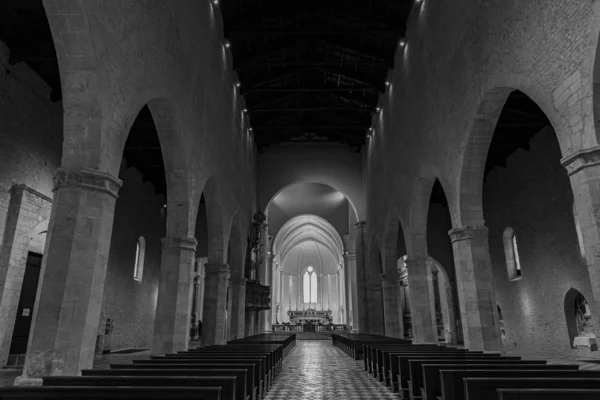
(20, 334)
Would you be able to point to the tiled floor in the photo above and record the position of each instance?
(317, 370)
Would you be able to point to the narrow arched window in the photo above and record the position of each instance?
(579, 234)
(140, 253)
(511, 252)
(310, 285)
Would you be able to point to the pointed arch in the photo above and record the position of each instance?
(494, 94)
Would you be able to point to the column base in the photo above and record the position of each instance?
(26, 381)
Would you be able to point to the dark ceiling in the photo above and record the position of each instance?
(313, 70)
(310, 71)
(25, 30)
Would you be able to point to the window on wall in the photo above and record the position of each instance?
(310, 285)
(579, 234)
(140, 252)
(511, 252)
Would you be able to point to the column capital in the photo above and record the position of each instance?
(179, 242)
(217, 269)
(416, 263)
(581, 159)
(467, 233)
(350, 255)
(87, 178)
(359, 225)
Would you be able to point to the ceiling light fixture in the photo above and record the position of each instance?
(402, 43)
(245, 110)
(227, 44)
(378, 109)
(387, 83)
(237, 84)
(215, 2)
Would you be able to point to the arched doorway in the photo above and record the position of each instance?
(578, 316)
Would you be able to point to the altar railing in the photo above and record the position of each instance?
(318, 328)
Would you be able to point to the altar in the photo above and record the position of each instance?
(310, 316)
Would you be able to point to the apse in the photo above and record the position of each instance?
(308, 270)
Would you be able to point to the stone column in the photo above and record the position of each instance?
(476, 296)
(71, 289)
(215, 298)
(237, 287)
(583, 169)
(421, 295)
(172, 322)
(280, 314)
(359, 281)
(351, 312)
(374, 311)
(391, 304)
(201, 285)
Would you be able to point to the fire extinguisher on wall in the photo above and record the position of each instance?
(108, 330)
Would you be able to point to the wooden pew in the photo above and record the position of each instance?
(258, 361)
(373, 352)
(244, 381)
(385, 370)
(486, 388)
(401, 368)
(113, 393)
(548, 394)
(432, 375)
(274, 354)
(226, 383)
(270, 361)
(251, 367)
(415, 368)
(378, 354)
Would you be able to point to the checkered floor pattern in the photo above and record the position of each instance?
(317, 370)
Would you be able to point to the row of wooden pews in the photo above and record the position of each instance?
(436, 371)
(244, 369)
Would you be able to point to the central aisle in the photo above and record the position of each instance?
(318, 370)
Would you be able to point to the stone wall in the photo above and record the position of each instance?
(131, 304)
(532, 195)
(30, 132)
(458, 53)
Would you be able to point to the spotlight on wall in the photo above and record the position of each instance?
(387, 83)
(237, 84)
(227, 44)
(402, 43)
(250, 129)
(215, 2)
(245, 110)
(378, 109)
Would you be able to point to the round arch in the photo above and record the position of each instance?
(215, 218)
(352, 200)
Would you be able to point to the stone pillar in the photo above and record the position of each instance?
(172, 322)
(422, 308)
(201, 285)
(391, 305)
(351, 312)
(476, 296)
(374, 311)
(71, 289)
(280, 314)
(359, 281)
(215, 298)
(237, 287)
(583, 169)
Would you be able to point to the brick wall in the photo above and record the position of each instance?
(533, 196)
(30, 132)
(129, 303)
